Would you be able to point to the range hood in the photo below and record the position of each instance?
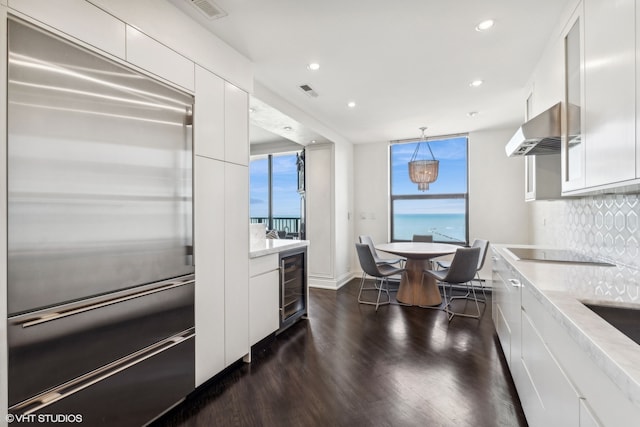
(540, 135)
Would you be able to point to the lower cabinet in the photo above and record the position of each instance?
(547, 395)
(558, 384)
(264, 306)
(506, 312)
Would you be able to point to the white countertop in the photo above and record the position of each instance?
(264, 247)
(561, 287)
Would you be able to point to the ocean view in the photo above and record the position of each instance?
(444, 227)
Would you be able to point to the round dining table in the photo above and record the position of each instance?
(414, 290)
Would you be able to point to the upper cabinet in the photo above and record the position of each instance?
(573, 151)
(157, 58)
(236, 125)
(599, 149)
(609, 62)
(96, 28)
(209, 115)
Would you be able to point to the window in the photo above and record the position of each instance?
(442, 210)
(275, 200)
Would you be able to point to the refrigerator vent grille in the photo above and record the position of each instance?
(208, 8)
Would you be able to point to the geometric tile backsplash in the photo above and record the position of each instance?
(604, 226)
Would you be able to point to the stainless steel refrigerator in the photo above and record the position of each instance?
(100, 268)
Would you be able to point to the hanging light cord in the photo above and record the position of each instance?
(415, 152)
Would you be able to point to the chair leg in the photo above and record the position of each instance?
(468, 294)
(382, 282)
(375, 287)
(363, 288)
(470, 290)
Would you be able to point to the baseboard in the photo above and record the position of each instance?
(330, 283)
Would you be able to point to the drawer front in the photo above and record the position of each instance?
(133, 396)
(558, 397)
(44, 355)
(263, 264)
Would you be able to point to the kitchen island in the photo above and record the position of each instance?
(570, 366)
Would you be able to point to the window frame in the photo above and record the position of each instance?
(426, 196)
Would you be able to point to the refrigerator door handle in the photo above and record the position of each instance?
(55, 315)
(72, 387)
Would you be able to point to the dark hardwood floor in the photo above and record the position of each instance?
(348, 365)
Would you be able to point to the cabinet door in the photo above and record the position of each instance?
(573, 139)
(209, 115)
(263, 305)
(236, 125)
(209, 223)
(158, 59)
(79, 19)
(587, 418)
(610, 121)
(236, 271)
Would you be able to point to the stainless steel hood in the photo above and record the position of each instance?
(540, 135)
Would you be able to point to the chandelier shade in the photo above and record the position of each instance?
(423, 171)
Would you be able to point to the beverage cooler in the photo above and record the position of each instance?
(293, 286)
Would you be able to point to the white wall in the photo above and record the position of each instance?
(497, 210)
(371, 193)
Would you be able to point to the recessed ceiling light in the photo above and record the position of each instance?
(287, 128)
(252, 110)
(313, 66)
(476, 83)
(351, 104)
(472, 113)
(485, 25)
(313, 141)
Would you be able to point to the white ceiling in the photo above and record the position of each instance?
(406, 63)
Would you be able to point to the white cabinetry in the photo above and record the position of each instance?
(158, 59)
(573, 144)
(236, 125)
(236, 277)
(551, 398)
(209, 114)
(209, 227)
(599, 145)
(96, 27)
(609, 61)
(263, 297)
(506, 311)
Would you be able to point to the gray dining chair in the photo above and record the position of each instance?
(484, 248)
(462, 270)
(425, 238)
(380, 272)
(379, 260)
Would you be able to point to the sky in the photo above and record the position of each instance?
(286, 200)
(452, 175)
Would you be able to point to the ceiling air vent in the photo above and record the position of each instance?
(309, 91)
(208, 8)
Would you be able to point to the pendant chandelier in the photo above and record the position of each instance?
(423, 172)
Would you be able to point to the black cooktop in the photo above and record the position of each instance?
(556, 255)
